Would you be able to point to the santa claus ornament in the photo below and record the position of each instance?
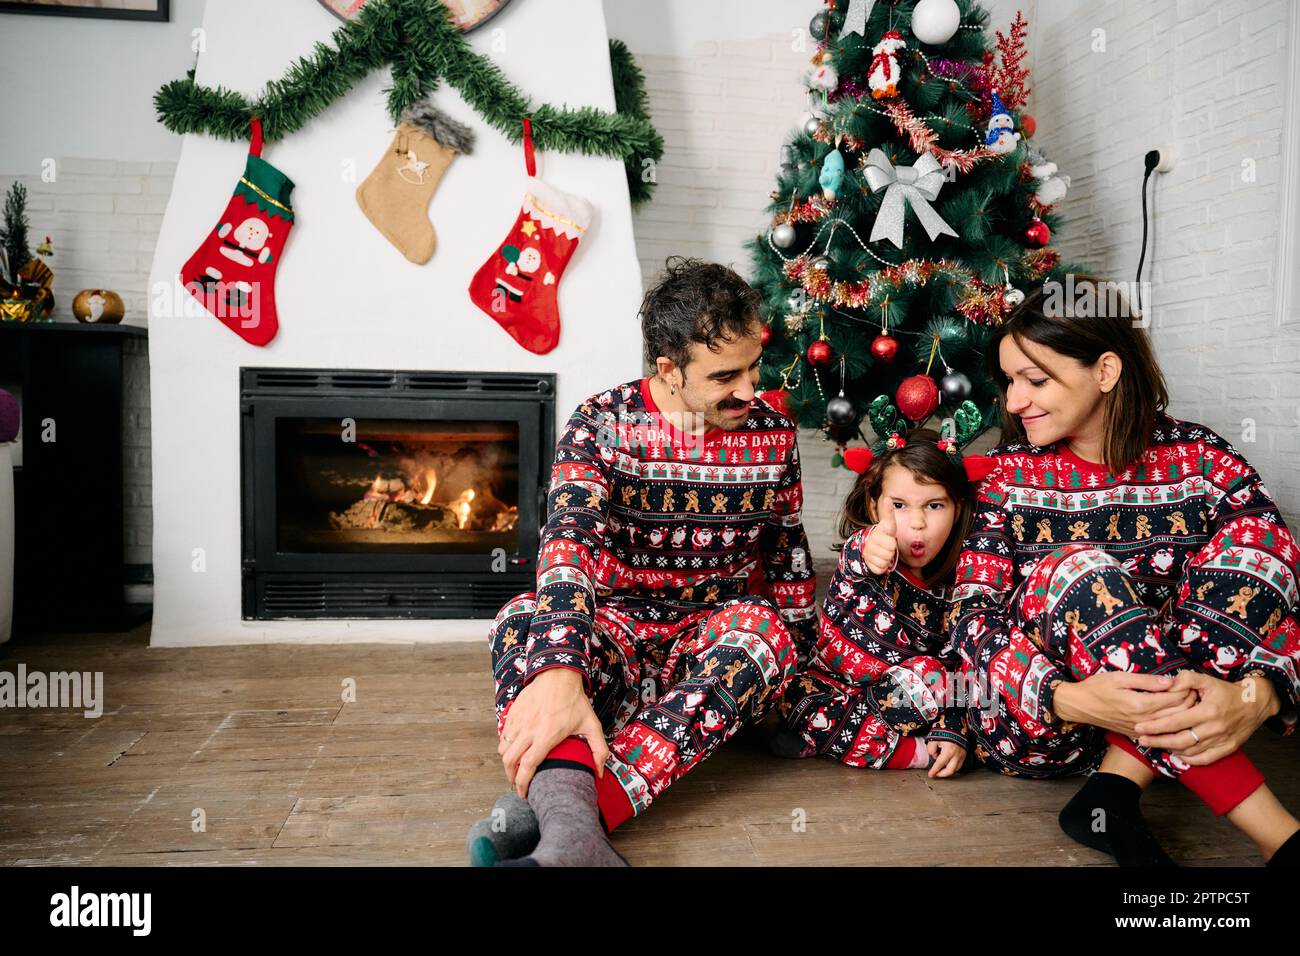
(518, 285)
(233, 273)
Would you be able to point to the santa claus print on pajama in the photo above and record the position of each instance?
(880, 672)
(1181, 561)
(674, 575)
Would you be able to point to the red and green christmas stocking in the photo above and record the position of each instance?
(518, 285)
(233, 273)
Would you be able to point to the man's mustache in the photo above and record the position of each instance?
(731, 403)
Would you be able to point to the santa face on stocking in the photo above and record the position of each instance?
(233, 272)
(246, 243)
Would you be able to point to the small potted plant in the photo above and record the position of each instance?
(26, 293)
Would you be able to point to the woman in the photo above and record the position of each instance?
(1126, 597)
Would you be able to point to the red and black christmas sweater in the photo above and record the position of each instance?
(662, 525)
(1191, 502)
(873, 622)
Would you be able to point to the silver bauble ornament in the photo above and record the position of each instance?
(839, 411)
(956, 388)
(819, 264)
(1013, 296)
(783, 235)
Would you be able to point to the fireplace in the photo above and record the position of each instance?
(391, 494)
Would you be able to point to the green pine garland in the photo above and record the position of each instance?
(422, 45)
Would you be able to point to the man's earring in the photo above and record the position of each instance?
(673, 389)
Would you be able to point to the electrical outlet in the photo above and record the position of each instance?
(1168, 157)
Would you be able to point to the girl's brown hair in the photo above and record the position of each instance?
(922, 457)
(1083, 331)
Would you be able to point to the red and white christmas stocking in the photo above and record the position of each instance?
(233, 273)
(518, 285)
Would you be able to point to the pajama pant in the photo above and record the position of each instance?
(1079, 607)
(863, 726)
(669, 683)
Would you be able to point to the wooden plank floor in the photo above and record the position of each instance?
(258, 741)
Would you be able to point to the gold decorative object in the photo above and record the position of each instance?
(103, 306)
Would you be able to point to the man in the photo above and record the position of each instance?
(675, 590)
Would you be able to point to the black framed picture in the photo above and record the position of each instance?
(103, 9)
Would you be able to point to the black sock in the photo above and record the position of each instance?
(782, 742)
(1119, 828)
(1288, 854)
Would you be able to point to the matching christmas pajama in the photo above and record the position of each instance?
(674, 575)
(1181, 561)
(880, 683)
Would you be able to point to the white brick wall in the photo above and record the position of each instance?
(1206, 76)
(103, 218)
(1210, 78)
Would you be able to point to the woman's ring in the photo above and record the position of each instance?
(1195, 735)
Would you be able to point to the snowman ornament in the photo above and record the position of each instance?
(1001, 136)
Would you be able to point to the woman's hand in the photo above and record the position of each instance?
(948, 758)
(1223, 718)
(881, 546)
(1117, 700)
(553, 706)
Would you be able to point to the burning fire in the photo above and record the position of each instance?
(419, 492)
(461, 506)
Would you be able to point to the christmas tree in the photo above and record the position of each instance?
(910, 214)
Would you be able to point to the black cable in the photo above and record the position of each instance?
(1151, 160)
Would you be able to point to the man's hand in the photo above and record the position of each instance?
(948, 758)
(1118, 701)
(1224, 717)
(553, 706)
(881, 545)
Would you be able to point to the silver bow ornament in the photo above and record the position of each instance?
(855, 21)
(917, 185)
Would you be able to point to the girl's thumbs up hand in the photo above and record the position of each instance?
(881, 546)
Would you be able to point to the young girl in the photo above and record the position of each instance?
(877, 691)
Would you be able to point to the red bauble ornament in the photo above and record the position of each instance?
(820, 354)
(884, 348)
(765, 336)
(779, 399)
(1038, 235)
(1028, 125)
(917, 397)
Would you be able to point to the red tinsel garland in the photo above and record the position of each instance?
(922, 139)
(981, 302)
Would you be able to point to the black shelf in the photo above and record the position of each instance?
(68, 493)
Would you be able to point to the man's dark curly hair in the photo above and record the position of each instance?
(695, 301)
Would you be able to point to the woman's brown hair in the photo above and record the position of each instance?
(1083, 331)
(922, 457)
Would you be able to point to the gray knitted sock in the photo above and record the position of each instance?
(565, 802)
(515, 831)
